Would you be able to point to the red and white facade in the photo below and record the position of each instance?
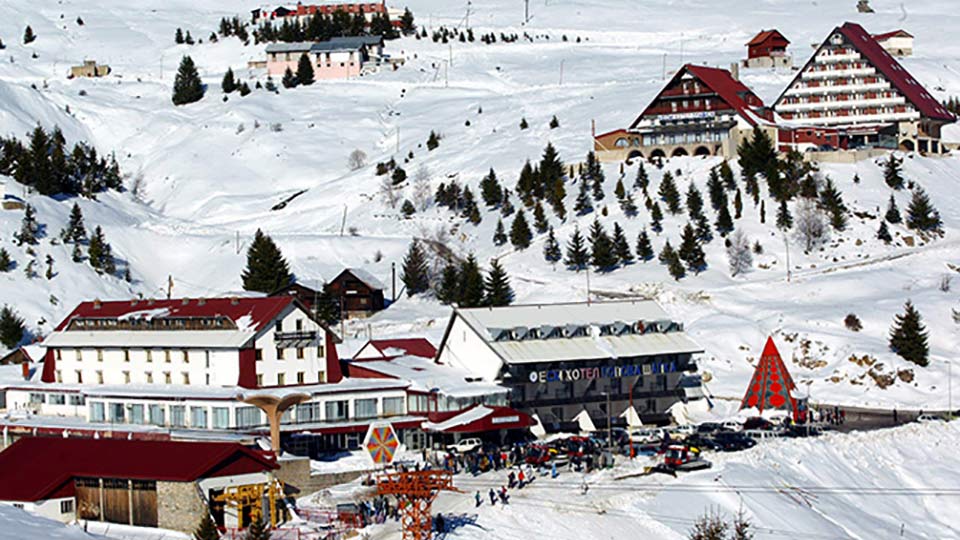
(768, 49)
(303, 12)
(852, 83)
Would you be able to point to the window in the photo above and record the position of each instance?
(126, 355)
(79, 377)
(149, 355)
(97, 411)
(186, 356)
(99, 377)
(167, 379)
(78, 355)
(99, 355)
(135, 413)
(149, 378)
(221, 418)
(59, 376)
(335, 410)
(186, 377)
(365, 408)
(178, 416)
(392, 406)
(308, 412)
(66, 507)
(248, 417)
(117, 413)
(319, 351)
(157, 415)
(198, 417)
(299, 325)
(36, 398)
(321, 377)
(76, 399)
(281, 379)
(258, 354)
(166, 355)
(279, 353)
(206, 359)
(301, 377)
(57, 399)
(278, 327)
(260, 380)
(126, 377)
(300, 353)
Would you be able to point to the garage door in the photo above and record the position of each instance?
(88, 498)
(144, 498)
(116, 501)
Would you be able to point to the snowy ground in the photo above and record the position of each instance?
(206, 181)
(16, 524)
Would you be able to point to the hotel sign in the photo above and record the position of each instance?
(586, 373)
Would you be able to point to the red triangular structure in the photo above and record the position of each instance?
(771, 383)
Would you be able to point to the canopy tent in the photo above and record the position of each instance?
(633, 419)
(583, 420)
(477, 419)
(771, 384)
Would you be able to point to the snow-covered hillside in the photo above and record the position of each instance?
(209, 173)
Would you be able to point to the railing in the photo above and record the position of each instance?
(305, 335)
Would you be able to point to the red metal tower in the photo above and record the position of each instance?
(415, 492)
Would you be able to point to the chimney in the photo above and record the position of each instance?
(150, 301)
(26, 369)
(201, 301)
(133, 301)
(96, 303)
(185, 301)
(234, 300)
(735, 71)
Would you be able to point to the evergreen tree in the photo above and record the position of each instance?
(449, 290)
(5, 261)
(75, 232)
(755, 154)
(554, 123)
(11, 327)
(737, 205)
(724, 221)
(644, 248)
(704, 233)
(433, 141)
(893, 172)
(49, 261)
(469, 208)
(471, 284)
(784, 219)
(177, 36)
(753, 188)
(602, 251)
(726, 175)
(763, 211)
(520, 235)
(527, 184)
(628, 206)
(656, 218)
(619, 191)
(257, 531)
(266, 269)
(407, 25)
(551, 249)
(621, 246)
(583, 205)
(551, 175)
(229, 84)
(883, 233)
(539, 218)
(694, 200)
(808, 187)
(691, 252)
(921, 215)
(893, 213)
(490, 190)
(523, 123)
(669, 194)
(497, 291)
(499, 235)
(28, 35)
(715, 189)
(207, 530)
(305, 75)
(666, 253)
(506, 208)
(643, 180)
(408, 210)
(29, 228)
(596, 176)
(415, 276)
(327, 306)
(289, 80)
(187, 86)
(832, 202)
(908, 337)
(100, 254)
(188, 39)
(577, 256)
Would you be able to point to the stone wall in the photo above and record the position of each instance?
(179, 506)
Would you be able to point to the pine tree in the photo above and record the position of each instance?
(448, 291)
(177, 36)
(644, 248)
(602, 252)
(908, 337)
(523, 123)
(5, 261)
(643, 180)
(497, 291)
(694, 200)
(415, 276)
(724, 221)
(883, 233)
(28, 35)
(266, 269)
(327, 306)
(715, 189)
(520, 235)
(583, 205)
(554, 123)
(499, 235)
(737, 205)
(471, 284)
(407, 25)
(921, 215)
(29, 228)
(628, 206)
(666, 253)
(187, 86)
(551, 248)
(619, 191)
(763, 211)
(289, 80)
(188, 39)
(257, 531)
(229, 84)
(408, 210)
(808, 187)
(669, 194)
(893, 172)
(704, 232)
(726, 174)
(506, 208)
(893, 213)
(596, 176)
(11, 327)
(75, 232)
(305, 74)
(753, 188)
(49, 274)
(691, 252)
(207, 529)
(656, 218)
(577, 256)
(784, 219)
(433, 141)
(490, 190)
(540, 222)
(621, 246)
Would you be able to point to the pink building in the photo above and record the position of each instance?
(337, 58)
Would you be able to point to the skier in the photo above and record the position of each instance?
(504, 498)
(512, 479)
(520, 479)
(493, 497)
(479, 500)
(553, 470)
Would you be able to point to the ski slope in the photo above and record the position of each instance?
(209, 173)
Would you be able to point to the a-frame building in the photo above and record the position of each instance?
(852, 83)
(771, 384)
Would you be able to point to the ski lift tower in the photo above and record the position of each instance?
(415, 492)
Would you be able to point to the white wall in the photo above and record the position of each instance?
(312, 364)
(465, 349)
(214, 367)
(48, 509)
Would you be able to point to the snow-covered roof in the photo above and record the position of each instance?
(466, 417)
(424, 376)
(314, 390)
(391, 348)
(366, 277)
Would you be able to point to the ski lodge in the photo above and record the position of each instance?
(768, 49)
(336, 58)
(164, 484)
(303, 13)
(898, 43)
(357, 293)
(561, 359)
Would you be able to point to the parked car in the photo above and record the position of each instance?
(729, 441)
(757, 422)
(760, 434)
(709, 427)
(465, 445)
(931, 418)
(732, 426)
(682, 431)
(700, 441)
(642, 449)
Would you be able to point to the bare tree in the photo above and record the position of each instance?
(811, 225)
(389, 192)
(739, 254)
(357, 159)
(422, 193)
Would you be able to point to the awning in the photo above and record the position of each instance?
(478, 419)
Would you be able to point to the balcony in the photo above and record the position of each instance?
(841, 104)
(838, 73)
(296, 340)
(845, 88)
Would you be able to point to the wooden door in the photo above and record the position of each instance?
(116, 500)
(144, 499)
(88, 498)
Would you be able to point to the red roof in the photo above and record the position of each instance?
(410, 347)
(37, 468)
(497, 418)
(771, 383)
(764, 35)
(261, 310)
(894, 72)
(895, 33)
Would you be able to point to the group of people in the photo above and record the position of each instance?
(834, 417)
(516, 479)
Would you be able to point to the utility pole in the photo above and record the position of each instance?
(787, 244)
(609, 429)
(238, 242)
(664, 76)
(588, 284)
(169, 287)
(526, 11)
(393, 279)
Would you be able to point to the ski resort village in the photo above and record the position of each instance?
(485, 269)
